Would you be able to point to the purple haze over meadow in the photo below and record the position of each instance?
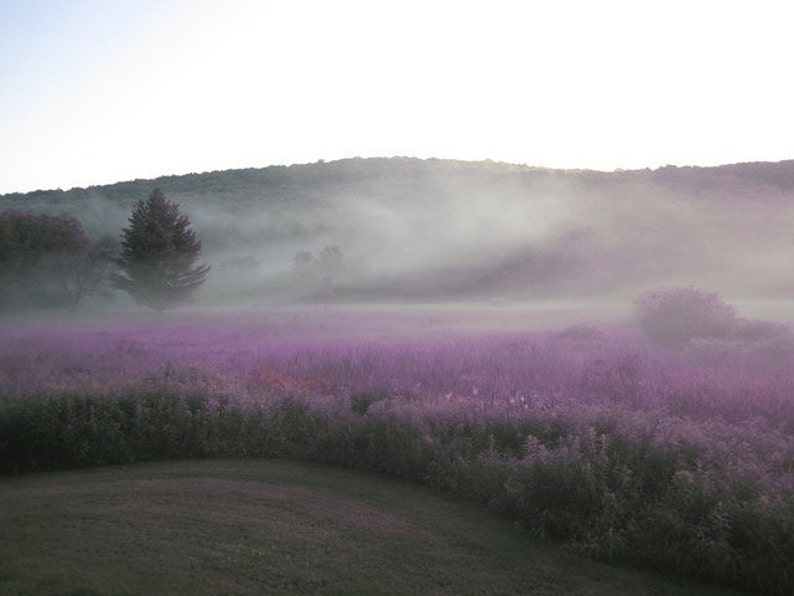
(471, 326)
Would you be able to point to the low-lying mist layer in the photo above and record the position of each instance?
(674, 459)
(413, 230)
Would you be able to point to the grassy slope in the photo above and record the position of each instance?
(272, 527)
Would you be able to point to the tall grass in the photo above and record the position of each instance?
(682, 462)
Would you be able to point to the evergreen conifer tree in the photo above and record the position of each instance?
(158, 255)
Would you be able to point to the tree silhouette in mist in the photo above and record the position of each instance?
(158, 255)
(49, 261)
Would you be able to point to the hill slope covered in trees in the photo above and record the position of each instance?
(410, 229)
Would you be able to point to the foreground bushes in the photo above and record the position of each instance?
(679, 460)
(618, 484)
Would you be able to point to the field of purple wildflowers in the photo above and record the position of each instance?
(676, 460)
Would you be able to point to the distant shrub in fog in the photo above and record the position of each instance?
(675, 316)
(772, 350)
(758, 330)
(316, 276)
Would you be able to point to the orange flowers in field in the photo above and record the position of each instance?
(277, 380)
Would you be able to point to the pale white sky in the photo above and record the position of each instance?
(98, 91)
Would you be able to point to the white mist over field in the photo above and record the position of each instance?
(409, 231)
(94, 93)
(441, 241)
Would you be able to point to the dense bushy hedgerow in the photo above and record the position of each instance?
(626, 454)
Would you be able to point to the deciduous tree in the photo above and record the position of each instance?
(49, 261)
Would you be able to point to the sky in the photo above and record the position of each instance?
(99, 91)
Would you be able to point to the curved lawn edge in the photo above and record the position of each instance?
(275, 526)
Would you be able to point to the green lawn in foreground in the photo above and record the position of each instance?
(273, 527)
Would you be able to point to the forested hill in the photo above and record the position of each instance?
(277, 183)
(411, 228)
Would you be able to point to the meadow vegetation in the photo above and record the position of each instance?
(267, 526)
(674, 459)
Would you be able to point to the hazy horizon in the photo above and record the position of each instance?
(343, 159)
(410, 231)
(99, 92)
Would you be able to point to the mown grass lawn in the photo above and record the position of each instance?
(274, 527)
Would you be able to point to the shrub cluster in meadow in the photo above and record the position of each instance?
(706, 327)
(627, 452)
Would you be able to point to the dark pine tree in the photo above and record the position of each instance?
(158, 255)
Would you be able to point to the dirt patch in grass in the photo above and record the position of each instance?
(274, 527)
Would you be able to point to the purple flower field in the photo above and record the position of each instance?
(679, 460)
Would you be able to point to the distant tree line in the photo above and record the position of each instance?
(317, 273)
(50, 262)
